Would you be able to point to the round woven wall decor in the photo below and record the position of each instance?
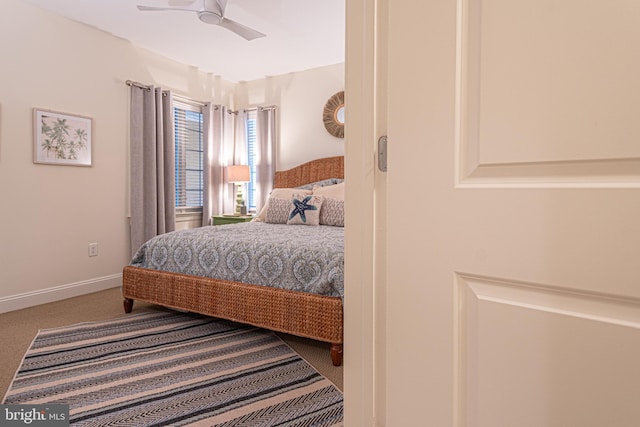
(332, 109)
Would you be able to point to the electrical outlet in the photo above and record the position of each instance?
(93, 249)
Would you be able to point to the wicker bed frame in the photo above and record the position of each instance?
(297, 313)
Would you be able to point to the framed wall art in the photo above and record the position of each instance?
(61, 138)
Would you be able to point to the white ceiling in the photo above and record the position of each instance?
(301, 34)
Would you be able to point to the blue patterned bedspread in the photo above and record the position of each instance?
(297, 257)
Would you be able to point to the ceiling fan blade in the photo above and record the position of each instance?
(241, 30)
(178, 3)
(154, 8)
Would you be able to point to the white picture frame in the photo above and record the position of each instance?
(61, 138)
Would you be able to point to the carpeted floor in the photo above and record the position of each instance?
(173, 368)
(18, 329)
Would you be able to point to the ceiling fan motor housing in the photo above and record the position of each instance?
(209, 17)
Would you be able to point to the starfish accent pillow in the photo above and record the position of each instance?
(306, 210)
(279, 193)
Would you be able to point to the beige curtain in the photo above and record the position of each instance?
(228, 143)
(265, 154)
(213, 123)
(218, 123)
(152, 164)
(240, 155)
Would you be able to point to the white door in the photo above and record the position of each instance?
(513, 286)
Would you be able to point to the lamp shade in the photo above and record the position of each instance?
(237, 173)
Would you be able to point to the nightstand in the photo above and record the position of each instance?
(224, 219)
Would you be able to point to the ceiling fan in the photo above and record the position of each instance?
(209, 12)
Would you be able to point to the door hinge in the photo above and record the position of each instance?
(382, 153)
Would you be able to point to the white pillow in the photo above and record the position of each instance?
(331, 191)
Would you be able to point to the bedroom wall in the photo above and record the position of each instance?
(50, 213)
(300, 98)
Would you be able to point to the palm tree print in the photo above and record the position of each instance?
(60, 140)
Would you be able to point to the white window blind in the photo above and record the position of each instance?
(189, 155)
(251, 150)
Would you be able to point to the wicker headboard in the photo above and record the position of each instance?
(315, 170)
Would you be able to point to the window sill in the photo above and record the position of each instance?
(191, 218)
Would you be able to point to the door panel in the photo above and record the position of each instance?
(540, 356)
(528, 64)
(513, 206)
(543, 92)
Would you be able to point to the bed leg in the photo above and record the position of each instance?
(336, 354)
(128, 305)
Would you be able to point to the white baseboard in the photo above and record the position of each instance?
(57, 293)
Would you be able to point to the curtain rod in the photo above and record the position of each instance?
(177, 97)
(268, 107)
(136, 84)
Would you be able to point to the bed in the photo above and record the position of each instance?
(298, 312)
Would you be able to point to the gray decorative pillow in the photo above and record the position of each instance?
(278, 210)
(323, 183)
(306, 210)
(332, 212)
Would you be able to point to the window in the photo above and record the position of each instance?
(251, 151)
(189, 156)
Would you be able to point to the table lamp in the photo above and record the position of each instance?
(238, 175)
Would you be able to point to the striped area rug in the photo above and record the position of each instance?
(170, 369)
